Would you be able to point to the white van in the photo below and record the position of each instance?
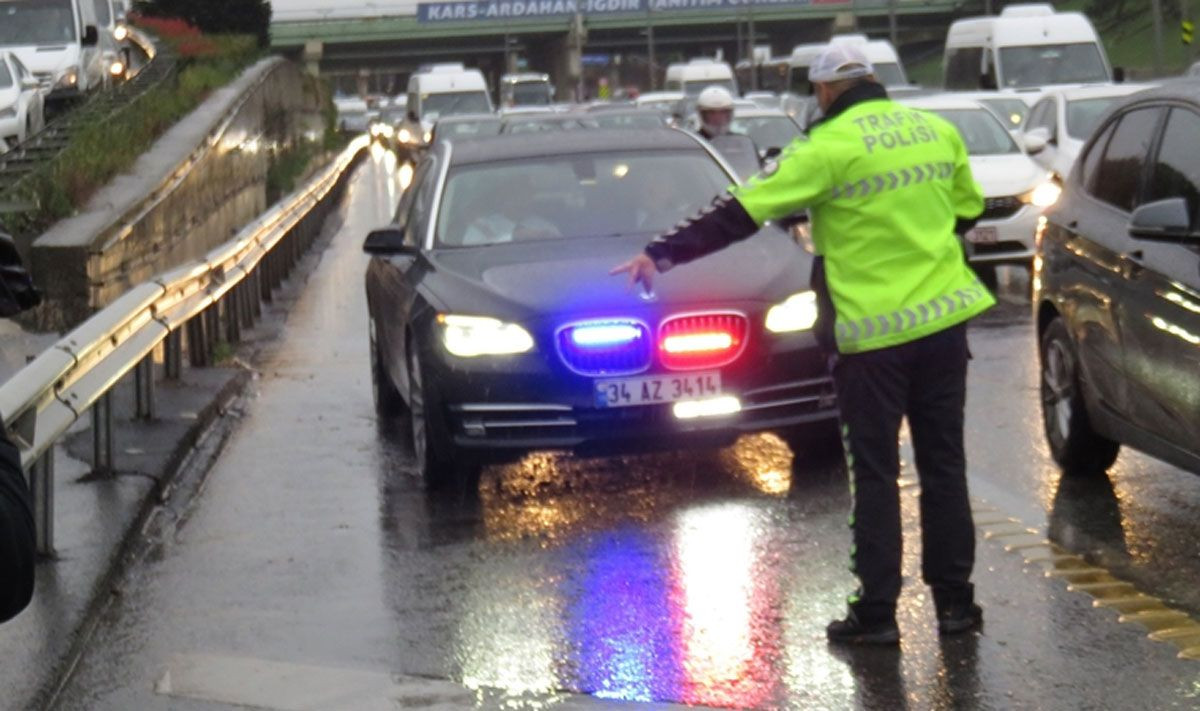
(526, 89)
(699, 74)
(61, 41)
(1025, 49)
(883, 56)
(443, 90)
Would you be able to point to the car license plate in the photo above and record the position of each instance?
(983, 235)
(631, 392)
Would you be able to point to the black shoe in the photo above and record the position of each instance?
(852, 631)
(957, 619)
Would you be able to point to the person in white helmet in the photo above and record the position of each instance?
(715, 106)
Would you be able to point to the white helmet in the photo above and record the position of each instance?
(714, 98)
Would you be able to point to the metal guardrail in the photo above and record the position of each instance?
(37, 150)
(194, 307)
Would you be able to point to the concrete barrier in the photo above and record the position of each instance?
(202, 181)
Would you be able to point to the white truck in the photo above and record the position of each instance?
(1026, 49)
(695, 76)
(438, 91)
(62, 42)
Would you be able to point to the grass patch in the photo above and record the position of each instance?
(111, 144)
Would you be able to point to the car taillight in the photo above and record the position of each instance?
(698, 341)
(606, 347)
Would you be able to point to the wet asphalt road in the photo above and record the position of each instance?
(312, 571)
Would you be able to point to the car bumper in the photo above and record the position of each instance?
(1014, 239)
(784, 386)
(66, 94)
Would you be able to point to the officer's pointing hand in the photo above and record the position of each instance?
(640, 269)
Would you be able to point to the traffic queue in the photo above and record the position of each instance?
(496, 328)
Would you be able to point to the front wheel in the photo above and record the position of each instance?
(387, 398)
(439, 462)
(1076, 447)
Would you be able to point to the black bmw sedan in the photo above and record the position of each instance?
(496, 328)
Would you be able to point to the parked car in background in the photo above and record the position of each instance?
(695, 76)
(442, 90)
(462, 127)
(22, 104)
(353, 114)
(1117, 289)
(60, 42)
(526, 89)
(1060, 123)
(770, 129)
(1016, 190)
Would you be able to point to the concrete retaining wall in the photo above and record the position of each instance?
(200, 183)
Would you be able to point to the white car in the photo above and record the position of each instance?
(1016, 189)
(353, 114)
(1010, 108)
(22, 103)
(1061, 122)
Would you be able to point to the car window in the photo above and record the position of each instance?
(406, 200)
(573, 196)
(981, 131)
(767, 131)
(1011, 111)
(1118, 179)
(963, 68)
(1177, 171)
(1042, 65)
(1091, 161)
(1042, 116)
(417, 222)
(103, 12)
(1084, 114)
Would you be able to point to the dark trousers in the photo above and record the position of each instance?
(925, 381)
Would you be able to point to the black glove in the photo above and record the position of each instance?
(17, 293)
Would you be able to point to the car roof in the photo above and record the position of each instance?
(942, 103)
(1187, 90)
(469, 118)
(557, 143)
(1100, 91)
(759, 112)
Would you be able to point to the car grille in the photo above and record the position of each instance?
(1001, 208)
(697, 341)
(606, 347)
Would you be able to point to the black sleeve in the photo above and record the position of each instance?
(17, 542)
(715, 228)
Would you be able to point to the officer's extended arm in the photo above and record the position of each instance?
(801, 179)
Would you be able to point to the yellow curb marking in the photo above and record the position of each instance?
(1162, 623)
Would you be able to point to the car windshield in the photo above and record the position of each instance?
(1010, 111)
(1084, 114)
(468, 129)
(575, 196)
(6, 79)
(889, 74)
(767, 131)
(643, 119)
(531, 94)
(693, 88)
(1043, 65)
(981, 131)
(36, 22)
(455, 102)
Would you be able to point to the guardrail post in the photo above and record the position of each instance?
(197, 348)
(143, 382)
(247, 297)
(255, 293)
(262, 276)
(41, 486)
(173, 355)
(233, 317)
(212, 326)
(102, 439)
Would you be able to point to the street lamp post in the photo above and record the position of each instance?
(650, 58)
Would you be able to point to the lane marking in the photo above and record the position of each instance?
(1162, 623)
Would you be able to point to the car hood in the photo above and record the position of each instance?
(51, 59)
(1004, 175)
(572, 277)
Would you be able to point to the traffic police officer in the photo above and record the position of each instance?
(887, 188)
(715, 109)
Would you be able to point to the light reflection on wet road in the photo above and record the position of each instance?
(701, 578)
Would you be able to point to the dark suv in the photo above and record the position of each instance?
(1117, 289)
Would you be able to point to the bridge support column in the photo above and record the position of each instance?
(313, 51)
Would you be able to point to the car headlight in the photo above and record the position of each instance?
(121, 33)
(428, 136)
(68, 79)
(798, 313)
(472, 336)
(1043, 195)
(117, 68)
(404, 135)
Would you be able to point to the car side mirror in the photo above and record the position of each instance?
(1119, 75)
(1035, 140)
(30, 83)
(91, 36)
(1167, 220)
(388, 241)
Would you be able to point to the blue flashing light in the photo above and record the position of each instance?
(605, 335)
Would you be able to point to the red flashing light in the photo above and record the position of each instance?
(695, 342)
